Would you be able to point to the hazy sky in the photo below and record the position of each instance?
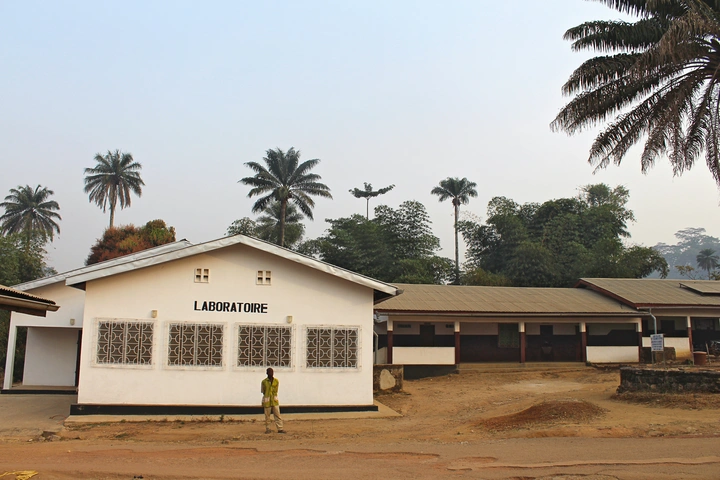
(386, 92)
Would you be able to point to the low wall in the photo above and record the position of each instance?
(388, 378)
(676, 380)
(424, 355)
(681, 346)
(612, 354)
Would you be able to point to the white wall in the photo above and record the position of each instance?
(311, 297)
(681, 345)
(71, 301)
(50, 356)
(613, 354)
(423, 356)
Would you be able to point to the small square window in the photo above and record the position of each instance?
(202, 275)
(263, 277)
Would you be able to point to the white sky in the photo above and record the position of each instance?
(403, 92)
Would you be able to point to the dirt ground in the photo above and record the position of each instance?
(565, 424)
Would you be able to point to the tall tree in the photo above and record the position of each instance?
(369, 193)
(655, 78)
(29, 213)
(285, 179)
(268, 225)
(112, 179)
(556, 243)
(460, 191)
(708, 260)
(682, 256)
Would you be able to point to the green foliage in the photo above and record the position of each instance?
(655, 78)
(557, 242)
(124, 240)
(285, 180)
(111, 181)
(267, 226)
(708, 260)
(395, 246)
(30, 213)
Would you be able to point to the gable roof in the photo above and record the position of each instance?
(62, 277)
(381, 290)
(17, 301)
(503, 301)
(648, 293)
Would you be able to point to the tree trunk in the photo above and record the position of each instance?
(457, 254)
(367, 209)
(283, 208)
(112, 213)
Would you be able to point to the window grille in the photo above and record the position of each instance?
(202, 275)
(264, 345)
(124, 343)
(197, 345)
(264, 277)
(329, 347)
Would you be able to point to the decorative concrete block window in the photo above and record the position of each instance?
(264, 346)
(331, 347)
(202, 275)
(264, 277)
(195, 345)
(124, 342)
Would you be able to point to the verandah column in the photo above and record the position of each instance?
(457, 343)
(389, 341)
(689, 329)
(583, 341)
(521, 329)
(639, 328)
(10, 358)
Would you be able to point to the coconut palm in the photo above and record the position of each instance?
(658, 81)
(708, 260)
(369, 193)
(285, 180)
(29, 213)
(460, 191)
(111, 181)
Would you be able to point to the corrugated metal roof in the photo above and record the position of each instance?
(706, 287)
(503, 300)
(13, 293)
(643, 292)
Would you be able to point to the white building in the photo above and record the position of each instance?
(195, 326)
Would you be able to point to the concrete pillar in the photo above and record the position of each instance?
(457, 343)
(689, 330)
(583, 341)
(521, 329)
(638, 328)
(389, 341)
(10, 357)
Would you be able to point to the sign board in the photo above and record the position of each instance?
(657, 342)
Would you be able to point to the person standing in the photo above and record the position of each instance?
(271, 405)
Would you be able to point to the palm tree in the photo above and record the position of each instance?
(708, 260)
(30, 213)
(268, 224)
(659, 80)
(460, 190)
(285, 180)
(112, 180)
(369, 193)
